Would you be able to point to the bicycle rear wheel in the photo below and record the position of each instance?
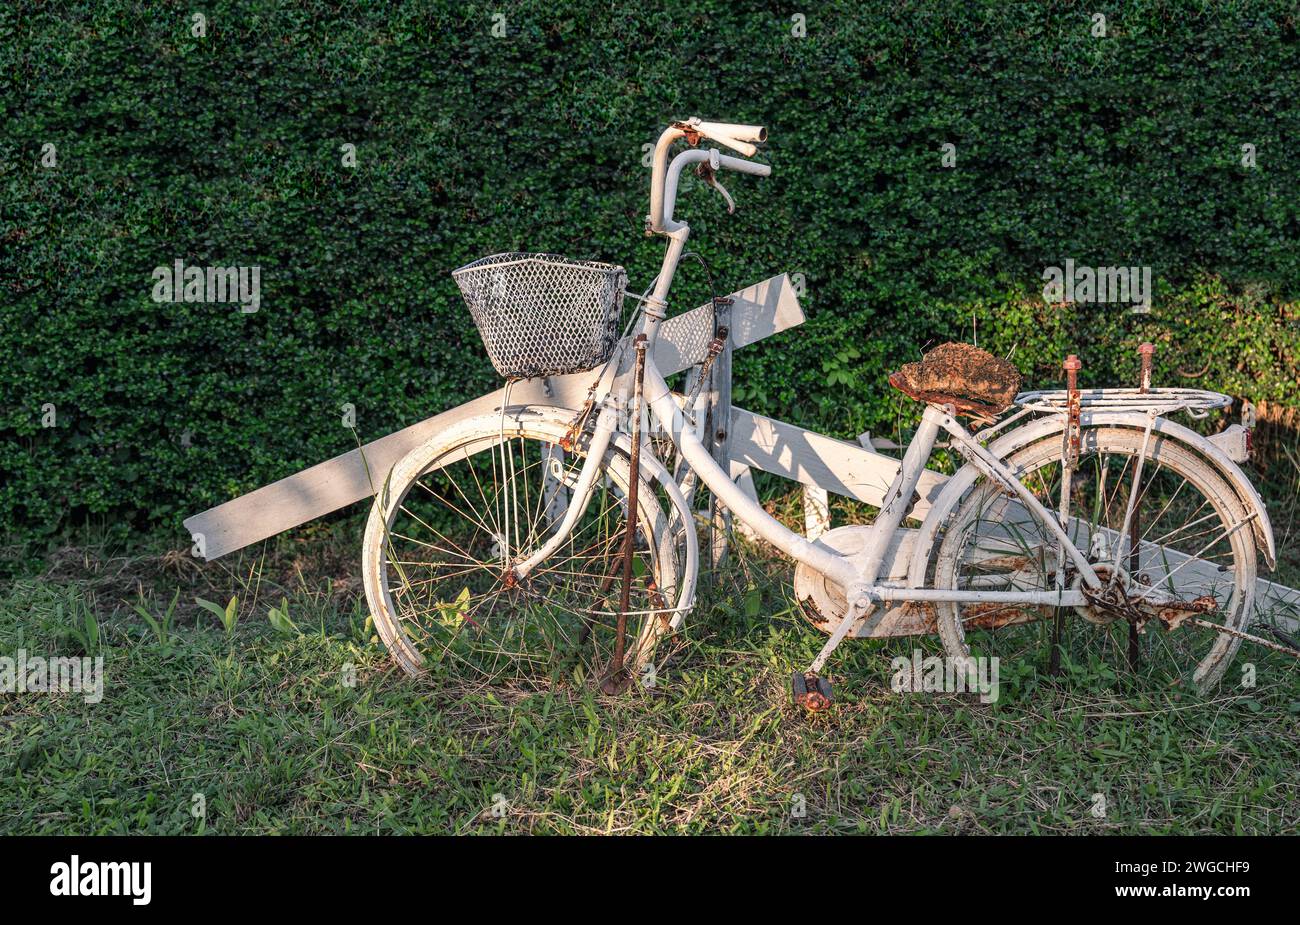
(1195, 541)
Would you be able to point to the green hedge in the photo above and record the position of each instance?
(225, 149)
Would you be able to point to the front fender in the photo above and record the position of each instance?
(1047, 426)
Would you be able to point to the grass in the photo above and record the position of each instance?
(253, 698)
(298, 723)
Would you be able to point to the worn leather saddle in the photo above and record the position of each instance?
(972, 380)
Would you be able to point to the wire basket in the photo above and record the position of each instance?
(543, 315)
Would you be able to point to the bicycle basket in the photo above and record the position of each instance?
(543, 315)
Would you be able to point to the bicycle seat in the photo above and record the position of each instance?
(972, 380)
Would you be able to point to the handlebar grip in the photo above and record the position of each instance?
(754, 133)
(737, 137)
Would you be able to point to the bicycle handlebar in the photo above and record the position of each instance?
(738, 137)
(699, 156)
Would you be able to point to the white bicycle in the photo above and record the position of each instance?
(538, 542)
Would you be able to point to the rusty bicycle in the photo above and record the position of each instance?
(551, 530)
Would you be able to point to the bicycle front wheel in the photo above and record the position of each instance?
(456, 512)
(1195, 542)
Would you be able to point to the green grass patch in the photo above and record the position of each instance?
(305, 726)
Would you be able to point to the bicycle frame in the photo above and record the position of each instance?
(857, 574)
(889, 564)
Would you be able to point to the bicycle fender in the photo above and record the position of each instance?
(1045, 427)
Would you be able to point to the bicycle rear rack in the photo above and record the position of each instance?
(1162, 401)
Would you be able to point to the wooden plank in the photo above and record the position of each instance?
(759, 311)
(553, 489)
(742, 476)
(816, 512)
(1277, 604)
(820, 461)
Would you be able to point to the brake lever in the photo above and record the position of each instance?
(709, 174)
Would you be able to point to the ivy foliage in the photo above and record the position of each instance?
(227, 149)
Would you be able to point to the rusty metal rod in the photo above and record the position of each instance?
(616, 682)
(1147, 350)
(1070, 459)
(1134, 559)
(1219, 628)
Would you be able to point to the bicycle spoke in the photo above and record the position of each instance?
(1189, 550)
(453, 593)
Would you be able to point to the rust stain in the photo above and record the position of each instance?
(1010, 563)
(924, 615)
(993, 616)
(1174, 616)
(812, 614)
(660, 604)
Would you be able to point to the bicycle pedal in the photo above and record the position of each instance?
(811, 692)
